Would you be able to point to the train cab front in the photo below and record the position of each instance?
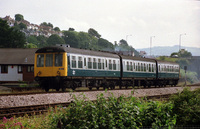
(50, 67)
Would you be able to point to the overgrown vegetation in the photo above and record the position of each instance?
(183, 109)
(187, 107)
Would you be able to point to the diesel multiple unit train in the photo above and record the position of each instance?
(61, 67)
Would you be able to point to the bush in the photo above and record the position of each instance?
(113, 113)
(187, 107)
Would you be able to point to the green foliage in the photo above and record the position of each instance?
(162, 57)
(31, 45)
(71, 38)
(55, 39)
(10, 37)
(19, 17)
(187, 107)
(104, 44)
(184, 53)
(94, 33)
(183, 62)
(47, 24)
(183, 109)
(114, 113)
(32, 39)
(191, 77)
(56, 29)
(123, 42)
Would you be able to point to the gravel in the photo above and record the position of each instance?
(51, 98)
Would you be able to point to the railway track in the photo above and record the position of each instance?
(39, 109)
(28, 110)
(78, 90)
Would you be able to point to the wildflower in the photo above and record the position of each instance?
(2, 125)
(4, 120)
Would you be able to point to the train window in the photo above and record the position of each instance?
(40, 60)
(106, 63)
(159, 68)
(94, 63)
(58, 59)
(84, 61)
(99, 63)
(73, 61)
(152, 68)
(145, 68)
(142, 68)
(134, 65)
(118, 65)
(89, 63)
(149, 67)
(110, 64)
(131, 66)
(103, 63)
(127, 66)
(124, 66)
(49, 60)
(114, 65)
(80, 62)
(139, 66)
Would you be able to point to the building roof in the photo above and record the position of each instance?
(76, 51)
(13, 56)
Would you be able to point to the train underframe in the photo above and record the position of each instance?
(92, 82)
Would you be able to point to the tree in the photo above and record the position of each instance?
(94, 33)
(46, 24)
(43, 24)
(174, 54)
(71, 29)
(42, 41)
(50, 25)
(56, 29)
(32, 39)
(123, 42)
(19, 17)
(104, 44)
(184, 53)
(71, 38)
(22, 26)
(10, 37)
(55, 39)
(84, 40)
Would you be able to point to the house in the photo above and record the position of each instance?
(16, 64)
(9, 20)
(142, 53)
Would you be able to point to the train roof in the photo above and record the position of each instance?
(166, 62)
(97, 53)
(76, 51)
(138, 58)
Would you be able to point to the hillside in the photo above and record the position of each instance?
(167, 50)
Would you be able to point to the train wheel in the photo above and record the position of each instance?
(90, 88)
(97, 88)
(63, 89)
(46, 89)
(57, 89)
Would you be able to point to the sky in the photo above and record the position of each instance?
(137, 21)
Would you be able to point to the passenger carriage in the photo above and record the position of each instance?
(65, 67)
